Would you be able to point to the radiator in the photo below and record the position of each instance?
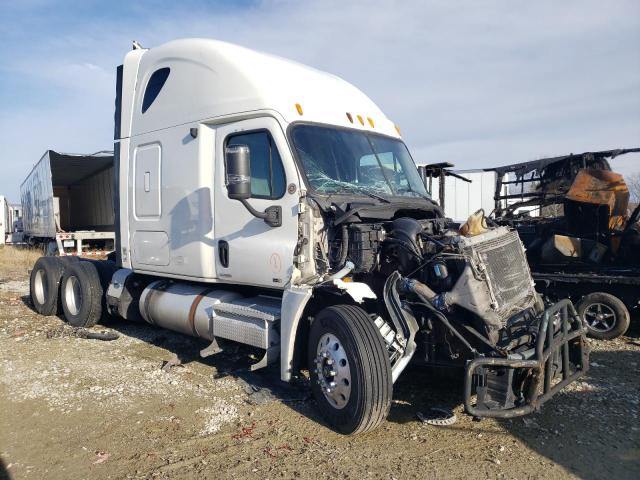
(501, 257)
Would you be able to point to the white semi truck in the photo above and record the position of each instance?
(268, 203)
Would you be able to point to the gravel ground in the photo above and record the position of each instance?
(76, 408)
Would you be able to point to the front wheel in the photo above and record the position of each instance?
(349, 369)
(605, 315)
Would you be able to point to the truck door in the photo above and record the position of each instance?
(248, 250)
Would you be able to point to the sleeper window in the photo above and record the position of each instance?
(267, 173)
(154, 85)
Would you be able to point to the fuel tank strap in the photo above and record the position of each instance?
(194, 306)
(159, 286)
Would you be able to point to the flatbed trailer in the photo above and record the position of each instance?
(604, 299)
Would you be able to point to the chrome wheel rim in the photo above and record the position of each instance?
(73, 295)
(600, 317)
(333, 371)
(40, 286)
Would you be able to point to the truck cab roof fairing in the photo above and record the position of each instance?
(224, 79)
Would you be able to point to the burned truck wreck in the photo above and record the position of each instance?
(582, 240)
(437, 297)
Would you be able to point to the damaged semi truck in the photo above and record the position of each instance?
(268, 203)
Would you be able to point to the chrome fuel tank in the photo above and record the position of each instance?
(209, 312)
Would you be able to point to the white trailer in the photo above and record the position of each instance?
(268, 203)
(463, 198)
(15, 216)
(466, 191)
(15, 222)
(67, 202)
(5, 220)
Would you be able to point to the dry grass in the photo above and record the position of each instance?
(17, 260)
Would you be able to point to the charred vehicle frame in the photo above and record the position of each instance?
(582, 242)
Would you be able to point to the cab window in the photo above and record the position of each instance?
(267, 172)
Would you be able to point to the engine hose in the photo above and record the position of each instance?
(406, 245)
(479, 336)
(434, 240)
(446, 322)
(426, 294)
(417, 287)
(343, 272)
(345, 246)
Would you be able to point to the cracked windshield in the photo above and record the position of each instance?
(350, 161)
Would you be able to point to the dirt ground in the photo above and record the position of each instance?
(78, 408)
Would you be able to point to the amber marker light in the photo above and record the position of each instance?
(361, 120)
(349, 117)
(370, 120)
(398, 130)
(299, 108)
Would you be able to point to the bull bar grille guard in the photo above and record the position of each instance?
(568, 341)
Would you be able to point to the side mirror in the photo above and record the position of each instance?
(238, 160)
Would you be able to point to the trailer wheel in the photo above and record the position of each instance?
(605, 315)
(82, 294)
(349, 369)
(44, 283)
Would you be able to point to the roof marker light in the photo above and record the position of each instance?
(349, 117)
(299, 108)
(398, 130)
(370, 122)
(361, 120)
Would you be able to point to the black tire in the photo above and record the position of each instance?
(82, 294)
(44, 284)
(605, 315)
(106, 269)
(362, 352)
(69, 259)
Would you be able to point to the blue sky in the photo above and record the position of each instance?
(474, 83)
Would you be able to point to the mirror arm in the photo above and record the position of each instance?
(272, 216)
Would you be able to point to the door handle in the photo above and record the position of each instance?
(223, 253)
